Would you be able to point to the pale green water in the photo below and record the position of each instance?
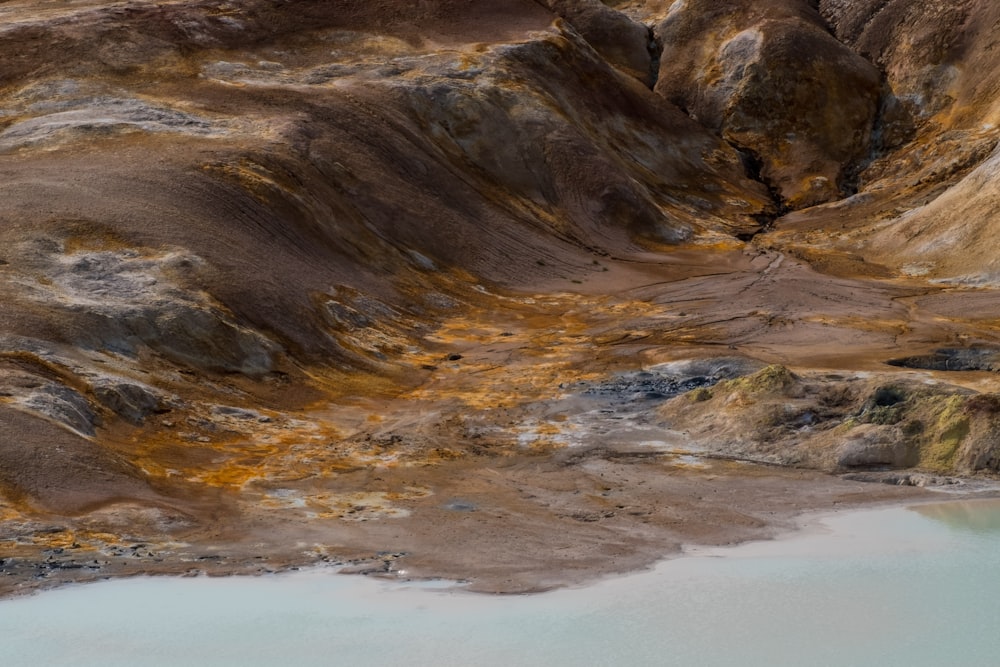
(881, 588)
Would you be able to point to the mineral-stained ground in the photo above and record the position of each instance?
(517, 292)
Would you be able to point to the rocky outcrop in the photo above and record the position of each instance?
(132, 401)
(869, 446)
(624, 43)
(63, 406)
(129, 300)
(926, 202)
(509, 160)
(843, 423)
(918, 46)
(776, 84)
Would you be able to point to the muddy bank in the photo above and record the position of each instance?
(515, 524)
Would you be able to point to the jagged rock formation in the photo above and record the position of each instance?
(264, 260)
(622, 42)
(926, 201)
(775, 83)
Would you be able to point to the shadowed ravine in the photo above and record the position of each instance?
(512, 292)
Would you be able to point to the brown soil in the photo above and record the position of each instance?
(504, 525)
(519, 293)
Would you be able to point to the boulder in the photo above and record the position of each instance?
(774, 83)
(129, 400)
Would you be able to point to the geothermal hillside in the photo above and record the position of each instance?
(512, 291)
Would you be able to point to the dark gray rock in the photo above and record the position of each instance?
(64, 406)
(129, 400)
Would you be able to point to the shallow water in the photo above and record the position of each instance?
(883, 587)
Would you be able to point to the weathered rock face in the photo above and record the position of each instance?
(843, 423)
(952, 237)
(919, 46)
(775, 83)
(927, 201)
(624, 43)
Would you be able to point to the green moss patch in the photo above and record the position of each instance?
(945, 435)
(772, 379)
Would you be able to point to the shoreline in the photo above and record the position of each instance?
(471, 567)
(810, 523)
(791, 600)
(814, 522)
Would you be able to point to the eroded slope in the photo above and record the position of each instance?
(287, 282)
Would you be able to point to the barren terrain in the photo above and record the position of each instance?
(512, 292)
